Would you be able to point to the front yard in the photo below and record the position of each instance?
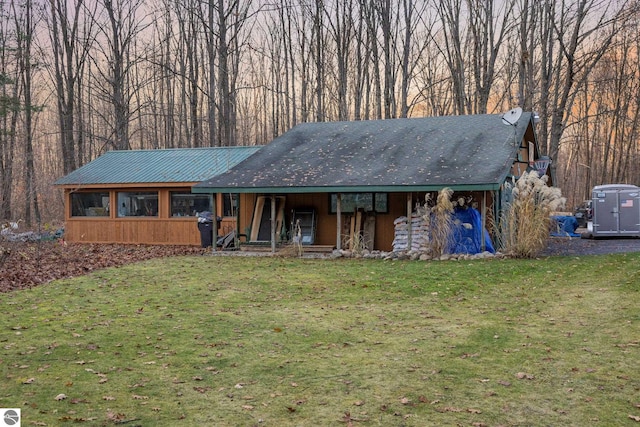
(237, 341)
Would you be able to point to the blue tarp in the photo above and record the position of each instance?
(564, 226)
(466, 237)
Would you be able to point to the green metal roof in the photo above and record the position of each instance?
(186, 165)
(473, 152)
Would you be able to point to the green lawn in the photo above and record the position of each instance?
(238, 341)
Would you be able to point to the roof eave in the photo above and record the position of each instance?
(120, 185)
(351, 189)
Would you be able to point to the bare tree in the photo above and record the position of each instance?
(318, 54)
(434, 96)
(452, 47)
(374, 81)
(70, 36)
(414, 46)
(488, 29)
(340, 21)
(229, 20)
(123, 26)
(612, 111)
(389, 27)
(25, 24)
(190, 65)
(302, 32)
(9, 110)
(574, 37)
(526, 51)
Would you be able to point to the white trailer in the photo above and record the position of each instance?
(616, 211)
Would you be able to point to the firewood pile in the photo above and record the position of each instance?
(419, 234)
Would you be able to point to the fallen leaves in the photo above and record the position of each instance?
(47, 261)
(467, 355)
(139, 397)
(455, 409)
(119, 418)
(349, 419)
(524, 376)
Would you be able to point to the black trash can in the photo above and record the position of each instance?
(206, 233)
(205, 225)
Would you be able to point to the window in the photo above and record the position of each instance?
(368, 202)
(90, 204)
(137, 203)
(188, 204)
(229, 204)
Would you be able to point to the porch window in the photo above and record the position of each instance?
(229, 204)
(368, 202)
(189, 204)
(137, 203)
(95, 203)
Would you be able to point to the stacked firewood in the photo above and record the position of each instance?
(419, 234)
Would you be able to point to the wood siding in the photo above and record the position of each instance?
(157, 230)
(165, 230)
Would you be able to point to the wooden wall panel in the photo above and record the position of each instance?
(134, 231)
(246, 204)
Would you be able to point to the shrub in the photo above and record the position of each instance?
(526, 221)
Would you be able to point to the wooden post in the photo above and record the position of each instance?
(214, 225)
(339, 221)
(409, 227)
(236, 239)
(352, 228)
(273, 223)
(483, 221)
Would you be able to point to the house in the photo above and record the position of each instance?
(144, 196)
(324, 183)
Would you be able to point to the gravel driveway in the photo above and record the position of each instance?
(575, 246)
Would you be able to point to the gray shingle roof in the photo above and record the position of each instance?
(157, 166)
(461, 152)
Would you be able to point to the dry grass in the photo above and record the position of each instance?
(526, 221)
(358, 245)
(438, 218)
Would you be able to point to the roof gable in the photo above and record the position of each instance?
(186, 165)
(423, 153)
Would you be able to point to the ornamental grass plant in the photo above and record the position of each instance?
(526, 221)
(438, 219)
